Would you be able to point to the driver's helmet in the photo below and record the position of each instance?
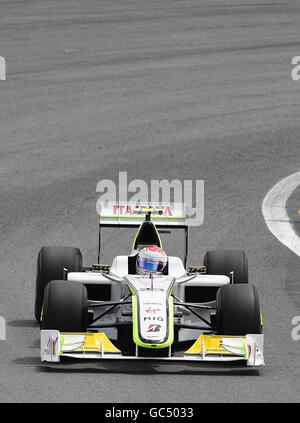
(151, 259)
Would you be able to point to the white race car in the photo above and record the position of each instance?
(207, 313)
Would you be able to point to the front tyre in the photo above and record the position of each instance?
(238, 310)
(65, 307)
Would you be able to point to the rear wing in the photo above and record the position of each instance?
(133, 214)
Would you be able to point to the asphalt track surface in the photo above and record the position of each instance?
(161, 89)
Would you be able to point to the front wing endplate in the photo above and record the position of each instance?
(249, 348)
(87, 345)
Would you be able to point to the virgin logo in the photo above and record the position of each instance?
(152, 310)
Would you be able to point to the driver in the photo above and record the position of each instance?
(151, 259)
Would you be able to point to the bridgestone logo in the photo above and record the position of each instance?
(2, 329)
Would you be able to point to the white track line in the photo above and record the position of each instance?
(274, 212)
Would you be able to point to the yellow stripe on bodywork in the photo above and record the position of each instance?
(212, 345)
(93, 342)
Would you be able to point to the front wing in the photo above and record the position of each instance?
(207, 348)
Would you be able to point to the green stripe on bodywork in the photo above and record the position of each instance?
(245, 349)
(61, 343)
(135, 320)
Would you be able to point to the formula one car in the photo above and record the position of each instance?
(206, 313)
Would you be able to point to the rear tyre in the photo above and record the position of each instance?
(238, 310)
(223, 262)
(50, 265)
(65, 307)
